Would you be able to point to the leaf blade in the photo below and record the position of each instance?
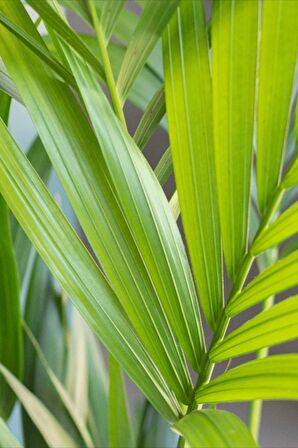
(277, 63)
(48, 426)
(272, 378)
(214, 428)
(11, 340)
(234, 50)
(282, 228)
(47, 227)
(277, 324)
(279, 277)
(148, 30)
(119, 424)
(190, 127)
(148, 213)
(7, 440)
(86, 180)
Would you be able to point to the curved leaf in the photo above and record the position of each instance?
(11, 341)
(212, 428)
(86, 180)
(279, 277)
(38, 48)
(234, 58)
(272, 378)
(119, 425)
(277, 63)
(61, 391)
(276, 325)
(148, 214)
(7, 440)
(76, 272)
(282, 228)
(151, 118)
(49, 15)
(189, 108)
(149, 28)
(49, 427)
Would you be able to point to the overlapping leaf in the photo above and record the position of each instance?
(64, 131)
(272, 378)
(189, 108)
(49, 15)
(11, 341)
(149, 28)
(277, 63)
(51, 430)
(234, 59)
(77, 273)
(277, 278)
(151, 118)
(212, 428)
(39, 48)
(277, 324)
(148, 214)
(119, 425)
(62, 393)
(283, 227)
(7, 440)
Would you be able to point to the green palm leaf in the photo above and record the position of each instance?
(147, 212)
(38, 48)
(74, 269)
(149, 28)
(49, 15)
(189, 107)
(11, 341)
(51, 430)
(211, 428)
(279, 277)
(86, 180)
(119, 425)
(272, 378)
(7, 440)
(282, 228)
(234, 58)
(277, 63)
(277, 324)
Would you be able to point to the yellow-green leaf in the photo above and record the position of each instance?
(76, 272)
(189, 108)
(272, 378)
(276, 325)
(282, 228)
(279, 277)
(278, 55)
(149, 28)
(51, 430)
(214, 429)
(234, 30)
(7, 440)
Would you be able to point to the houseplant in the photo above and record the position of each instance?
(228, 94)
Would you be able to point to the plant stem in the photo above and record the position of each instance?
(107, 64)
(255, 408)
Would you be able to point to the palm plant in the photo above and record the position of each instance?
(227, 86)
